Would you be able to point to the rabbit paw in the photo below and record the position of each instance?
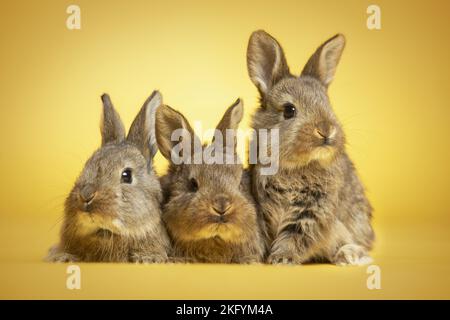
(181, 260)
(146, 258)
(351, 255)
(283, 258)
(61, 257)
(249, 260)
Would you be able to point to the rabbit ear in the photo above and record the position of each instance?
(266, 62)
(322, 64)
(142, 130)
(167, 122)
(111, 127)
(230, 120)
(232, 117)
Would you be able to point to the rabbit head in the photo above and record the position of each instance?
(297, 105)
(117, 191)
(204, 200)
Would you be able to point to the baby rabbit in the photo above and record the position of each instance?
(209, 210)
(113, 212)
(314, 206)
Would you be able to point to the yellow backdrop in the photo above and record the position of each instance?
(391, 93)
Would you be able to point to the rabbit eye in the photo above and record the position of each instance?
(193, 185)
(126, 176)
(289, 111)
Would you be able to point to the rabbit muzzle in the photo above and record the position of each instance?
(325, 133)
(221, 205)
(86, 196)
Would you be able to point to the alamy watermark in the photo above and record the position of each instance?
(263, 147)
(73, 281)
(73, 21)
(374, 18)
(374, 279)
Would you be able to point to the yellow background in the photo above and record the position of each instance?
(391, 92)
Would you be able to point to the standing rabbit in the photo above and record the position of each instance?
(113, 212)
(209, 210)
(315, 206)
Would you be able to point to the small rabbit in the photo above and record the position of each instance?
(315, 206)
(113, 212)
(209, 210)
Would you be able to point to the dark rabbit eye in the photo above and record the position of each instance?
(289, 111)
(193, 185)
(126, 176)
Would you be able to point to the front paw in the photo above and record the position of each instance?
(351, 255)
(148, 258)
(283, 258)
(184, 260)
(61, 257)
(249, 260)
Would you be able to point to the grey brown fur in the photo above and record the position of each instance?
(109, 221)
(315, 206)
(213, 217)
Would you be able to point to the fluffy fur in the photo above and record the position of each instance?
(315, 206)
(209, 210)
(107, 219)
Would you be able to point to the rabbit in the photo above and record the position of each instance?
(113, 213)
(315, 205)
(208, 208)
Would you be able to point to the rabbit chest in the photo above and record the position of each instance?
(291, 194)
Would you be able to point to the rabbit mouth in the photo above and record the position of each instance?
(220, 219)
(104, 233)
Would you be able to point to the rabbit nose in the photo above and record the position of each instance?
(221, 204)
(87, 193)
(325, 132)
(319, 133)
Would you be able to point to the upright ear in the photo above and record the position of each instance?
(142, 130)
(232, 117)
(322, 64)
(230, 120)
(168, 122)
(266, 62)
(111, 127)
